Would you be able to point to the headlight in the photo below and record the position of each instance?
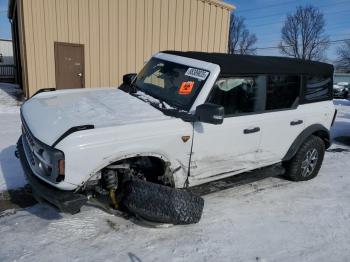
(45, 161)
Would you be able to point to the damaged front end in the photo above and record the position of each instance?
(108, 183)
(124, 185)
(105, 187)
(65, 201)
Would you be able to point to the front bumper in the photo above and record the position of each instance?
(65, 201)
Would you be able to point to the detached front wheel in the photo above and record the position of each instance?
(307, 162)
(162, 204)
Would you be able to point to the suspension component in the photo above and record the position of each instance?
(113, 198)
(111, 178)
(111, 181)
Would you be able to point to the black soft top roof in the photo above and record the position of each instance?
(250, 64)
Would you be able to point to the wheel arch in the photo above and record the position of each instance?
(316, 130)
(113, 159)
(170, 166)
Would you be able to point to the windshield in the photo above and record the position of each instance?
(176, 84)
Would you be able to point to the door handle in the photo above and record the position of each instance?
(80, 74)
(297, 122)
(252, 130)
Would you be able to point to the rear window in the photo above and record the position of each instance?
(282, 91)
(318, 88)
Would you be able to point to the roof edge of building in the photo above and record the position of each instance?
(220, 4)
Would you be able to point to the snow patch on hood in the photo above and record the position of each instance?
(49, 115)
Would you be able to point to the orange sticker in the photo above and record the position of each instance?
(186, 88)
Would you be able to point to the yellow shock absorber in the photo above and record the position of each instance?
(113, 198)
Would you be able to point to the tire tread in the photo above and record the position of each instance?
(163, 204)
(293, 167)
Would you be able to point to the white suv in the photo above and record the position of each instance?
(185, 119)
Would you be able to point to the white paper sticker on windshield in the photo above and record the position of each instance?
(197, 73)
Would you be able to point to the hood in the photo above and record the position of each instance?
(48, 115)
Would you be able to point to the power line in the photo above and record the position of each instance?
(275, 14)
(279, 39)
(282, 21)
(262, 25)
(326, 42)
(340, 25)
(284, 13)
(285, 3)
(267, 6)
(278, 33)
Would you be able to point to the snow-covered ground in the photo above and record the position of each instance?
(269, 220)
(11, 175)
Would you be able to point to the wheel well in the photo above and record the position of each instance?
(324, 136)
(154, 169)
(316, 130)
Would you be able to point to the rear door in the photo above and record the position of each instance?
(69, 65)
(222, 150)
(283, 119)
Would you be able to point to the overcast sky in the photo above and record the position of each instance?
(265, 19)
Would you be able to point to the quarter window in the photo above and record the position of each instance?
(282, 91)
(318, 88)
(239, 95)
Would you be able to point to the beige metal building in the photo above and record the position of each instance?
(93, 43)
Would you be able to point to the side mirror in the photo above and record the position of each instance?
(128, 79)
(127, 87)
(210, 113)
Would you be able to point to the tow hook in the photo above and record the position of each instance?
(16, 153)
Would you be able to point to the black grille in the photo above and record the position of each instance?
(43, 158)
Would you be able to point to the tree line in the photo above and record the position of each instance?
(303, 36)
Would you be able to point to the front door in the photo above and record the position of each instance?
(222, 150)
(69, 63)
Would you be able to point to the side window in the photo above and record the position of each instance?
(239, 94)
(282, 91)
(318, 88)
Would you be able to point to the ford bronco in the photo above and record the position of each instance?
(185, 119)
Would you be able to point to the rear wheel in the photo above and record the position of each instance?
(307, 162)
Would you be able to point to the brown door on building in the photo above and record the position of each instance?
(69, 63)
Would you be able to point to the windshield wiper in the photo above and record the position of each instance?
(153, 100)
(165, 107)
(162, 103)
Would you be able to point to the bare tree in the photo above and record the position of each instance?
(343, 61)
(241, 41)
(303, 34)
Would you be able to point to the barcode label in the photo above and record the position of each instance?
(197, 73)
